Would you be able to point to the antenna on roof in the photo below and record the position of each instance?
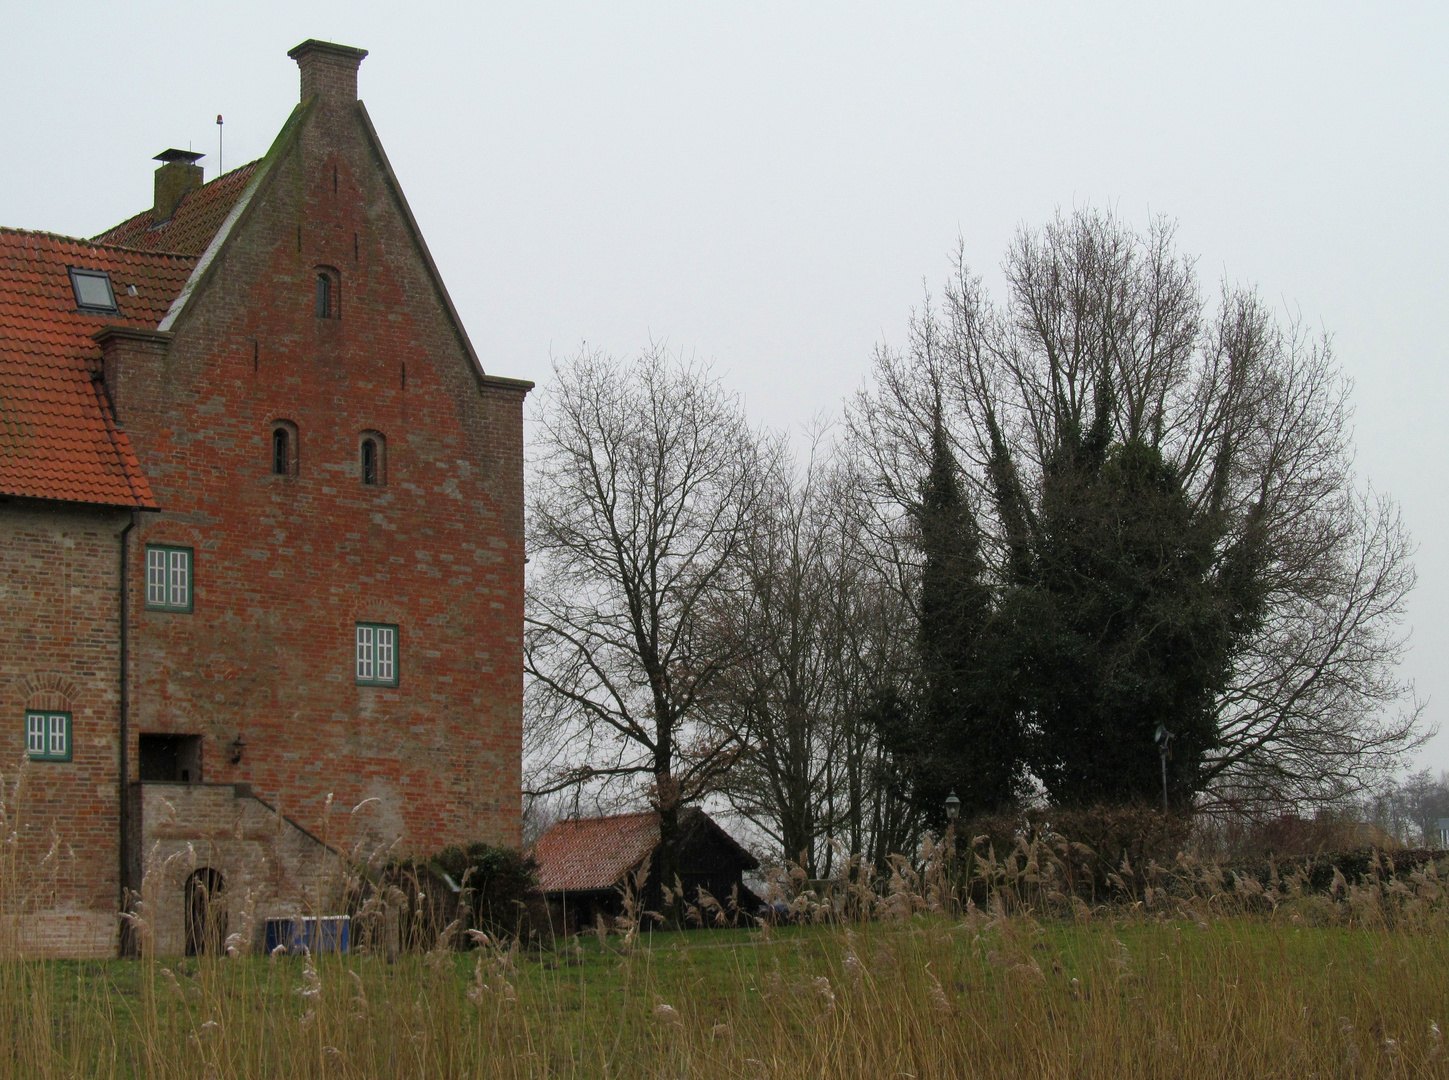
(220, 162)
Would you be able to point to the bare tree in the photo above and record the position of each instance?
(646, 488)
(1106, 335)
(820, 638)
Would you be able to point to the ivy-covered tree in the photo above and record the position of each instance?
(1126, 622)
(963, 733)
(1169, 514)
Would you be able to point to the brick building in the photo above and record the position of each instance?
(256, 402)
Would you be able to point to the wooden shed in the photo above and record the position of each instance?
(585, 863)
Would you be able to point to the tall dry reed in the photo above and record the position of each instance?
(979, 964)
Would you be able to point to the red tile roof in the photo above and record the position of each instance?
(594, 853)
(581, 854)
(58, 437)
(189, 229)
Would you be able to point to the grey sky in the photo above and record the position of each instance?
(768, 185)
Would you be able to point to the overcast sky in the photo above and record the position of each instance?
(769, 185)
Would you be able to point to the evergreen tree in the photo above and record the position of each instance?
(962, 732)
(1172, 529)
(1127, 621)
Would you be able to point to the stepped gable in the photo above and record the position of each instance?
(191, 226)
(58, 434)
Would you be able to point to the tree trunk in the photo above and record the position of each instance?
(668, 860)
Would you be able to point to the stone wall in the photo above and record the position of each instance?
(269, 867)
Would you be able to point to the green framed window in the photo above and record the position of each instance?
(377, 659)
(47, 735)
(168, 578)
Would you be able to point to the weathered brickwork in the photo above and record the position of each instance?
(59, 651)
(261, 665)
(286, 565)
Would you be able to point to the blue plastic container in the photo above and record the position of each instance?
(327, 933)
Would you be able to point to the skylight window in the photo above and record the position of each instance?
(93, 291)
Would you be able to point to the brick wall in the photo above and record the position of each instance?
(286, 565)
(59, 650)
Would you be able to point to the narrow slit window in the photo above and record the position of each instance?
(285, 448)
(324, 296)
(372, 458)
(369, 462)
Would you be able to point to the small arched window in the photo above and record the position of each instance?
(372, 459)
(324, 296)
(284, 448)
(329, 293)
(281, 452)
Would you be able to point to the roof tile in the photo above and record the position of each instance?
(189, 229)
(594, 853)
(58, 436)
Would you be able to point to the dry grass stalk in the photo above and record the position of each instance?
(984, 964)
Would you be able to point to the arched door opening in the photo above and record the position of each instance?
(205, 913)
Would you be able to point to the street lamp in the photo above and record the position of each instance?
(953, 811)
(1163, 738)
(953, 807)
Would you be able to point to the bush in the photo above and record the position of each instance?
(1359, 866)
(1098, 843)
(1232, 838)
(499, 888)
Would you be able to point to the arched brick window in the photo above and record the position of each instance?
(372, 459)
(329, 293)
(284, 448)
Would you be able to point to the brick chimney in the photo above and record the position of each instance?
(130, 360)
(328, 71)
(178, 175)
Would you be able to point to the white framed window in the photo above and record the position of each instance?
(47, 736)
(377, 659)
(168, 578)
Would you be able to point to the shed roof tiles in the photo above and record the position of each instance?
(584, 854)
(594, 853)
(58, 436)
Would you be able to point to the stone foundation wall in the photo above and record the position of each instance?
(269, 867)
(60, 933)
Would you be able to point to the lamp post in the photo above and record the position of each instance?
(953, 811)
(1163, 738)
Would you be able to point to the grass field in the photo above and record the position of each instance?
(1185, 972)
(928, 996)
